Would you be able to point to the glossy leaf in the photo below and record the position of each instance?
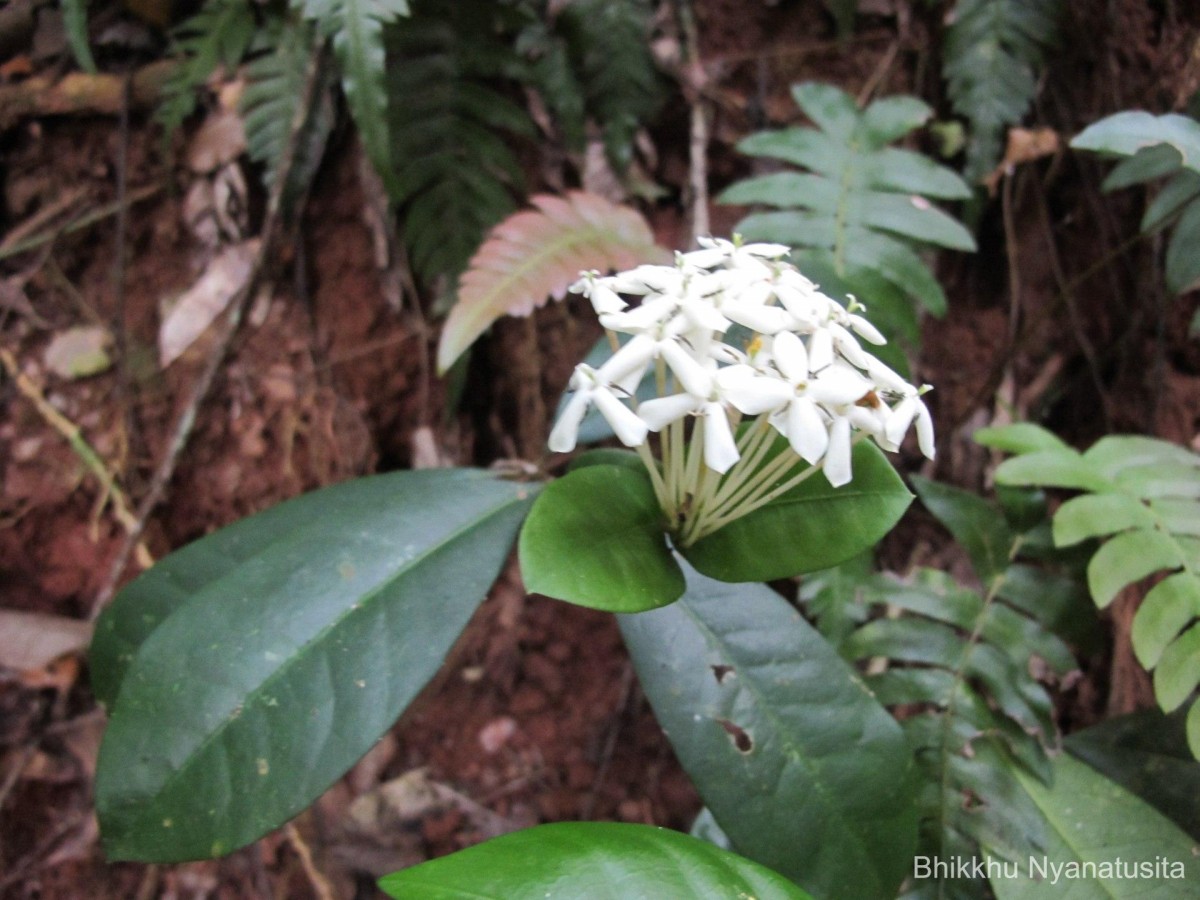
(813, 526)
(1125, 133)
(261, 662)
(1091, 824)
(534, 255)
(596, 538)
(798, 764)
(1146, 753)
(589, 861)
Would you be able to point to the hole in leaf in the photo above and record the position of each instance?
(721, 672)
(740, 737)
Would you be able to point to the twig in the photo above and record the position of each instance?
(320, 884)
(238, 306)
(1068, 295)
(80, 92)
(120, 327)
(86, 453)
(12, 245)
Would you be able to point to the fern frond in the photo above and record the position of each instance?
(862, 209)
(534, 255)
(599, 51)
(276, 86)
(220, 34)
(992, 53)
(356, 28)
(455, 174)
(1142, 497)
(955, 661)
(1156, 146)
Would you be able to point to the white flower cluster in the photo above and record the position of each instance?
(804, 372)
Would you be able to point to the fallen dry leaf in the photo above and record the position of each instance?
(1024, 145)
(79, 352)
(200, 304)
(30, 640)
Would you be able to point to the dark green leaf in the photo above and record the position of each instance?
(801, 768)
(1148, 164)
(1091, 820)
(1183, 262)
(1146, 753)
(284, 648)
(975, 523)
(596, 538)
(1175, 195)
(813, 526)
(589, 861)
(356, 27)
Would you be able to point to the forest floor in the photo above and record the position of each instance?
(537, 715)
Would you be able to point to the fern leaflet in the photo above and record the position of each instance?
(954, 661)
(1142, 496)
(356, 27)
(221, 33)
(276, 86)
(861, 210)
(991, 56)
(592, 60)
(454, 175)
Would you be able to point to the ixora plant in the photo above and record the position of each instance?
(248, 671)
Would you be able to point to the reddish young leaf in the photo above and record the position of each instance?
(536, 254)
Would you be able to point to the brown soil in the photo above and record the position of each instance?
(536, 716)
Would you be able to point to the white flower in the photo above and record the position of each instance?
(834, 385)
(805, 373)
(912, 408)
(589, 389)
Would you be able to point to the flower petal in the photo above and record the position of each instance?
(790, 357)
(837, 457)
(720, 449)
(751, 392)
(806, 430)
(925, 431)
(838, 385)
(565, 433)
(693, 377)
(625, 424)
(820, 350)
(662, 411)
